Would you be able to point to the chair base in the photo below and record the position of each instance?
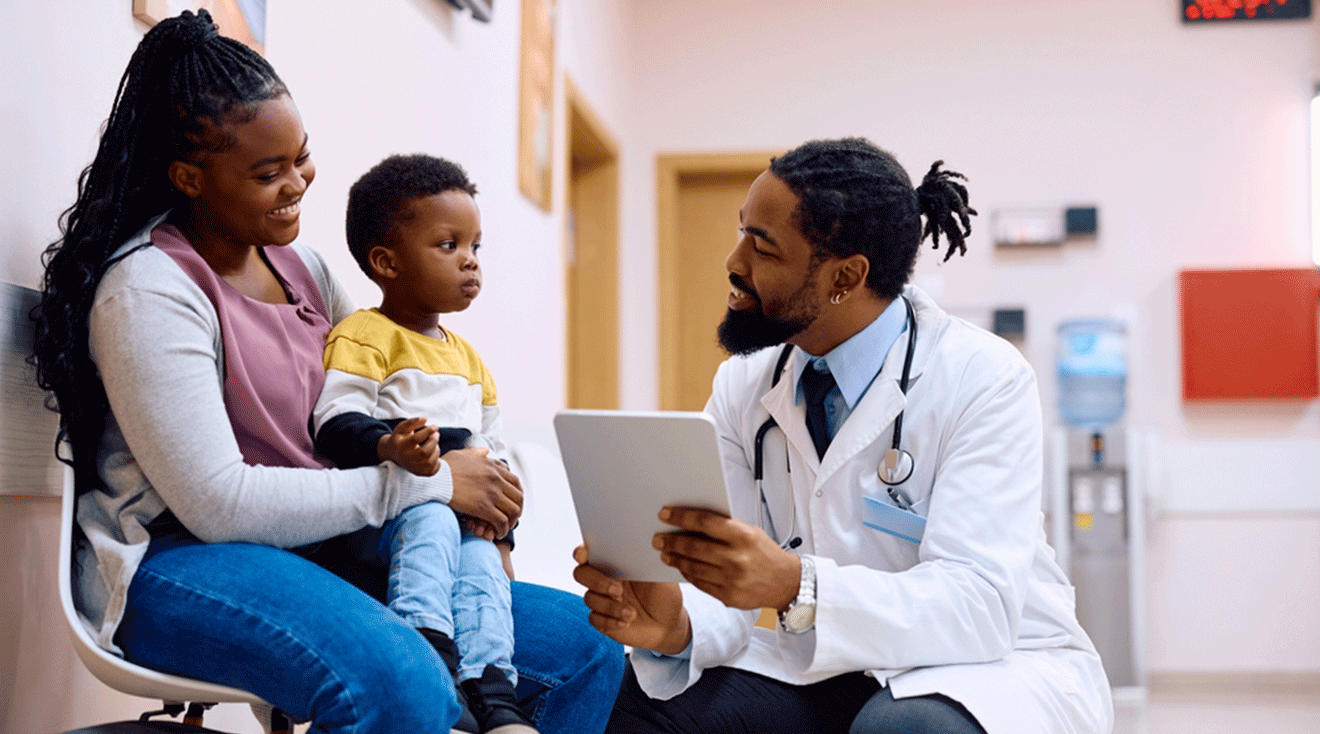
(144, 727)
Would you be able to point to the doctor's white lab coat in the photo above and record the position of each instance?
(978, 611)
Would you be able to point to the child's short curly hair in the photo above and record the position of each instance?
(381, 200)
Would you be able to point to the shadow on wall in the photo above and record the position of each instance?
(40, 677)
(1264, 418)
(548, 531)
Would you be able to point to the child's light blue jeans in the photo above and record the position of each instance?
(440, 577)
(314, 645)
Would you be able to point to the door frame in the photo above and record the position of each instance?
(587, 137)
(670, 170)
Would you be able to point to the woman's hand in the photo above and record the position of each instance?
(412, 445)
(643, 614)
(485, 488)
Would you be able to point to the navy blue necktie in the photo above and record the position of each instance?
(815, 386)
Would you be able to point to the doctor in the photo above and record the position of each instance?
(897, 527)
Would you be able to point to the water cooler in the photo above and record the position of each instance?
(1096, 518)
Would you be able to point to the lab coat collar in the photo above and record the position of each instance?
(931, 322)
(781, 402)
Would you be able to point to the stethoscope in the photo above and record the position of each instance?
(894, 470)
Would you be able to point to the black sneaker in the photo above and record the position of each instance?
(448, 652)
(492, 701)
(466, 721)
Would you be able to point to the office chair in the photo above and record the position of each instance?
(174, 691)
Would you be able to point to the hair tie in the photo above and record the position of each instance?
(189, 30)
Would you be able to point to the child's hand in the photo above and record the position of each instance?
(413, 445)
(480, 527)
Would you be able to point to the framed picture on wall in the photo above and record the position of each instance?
(241, 20)
(27, 430)
(536, 87)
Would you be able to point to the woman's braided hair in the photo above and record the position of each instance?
(855, 198)
(184, 83)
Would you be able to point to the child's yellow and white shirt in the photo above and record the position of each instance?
(384, 373)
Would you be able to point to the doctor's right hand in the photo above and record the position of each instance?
(643, 614)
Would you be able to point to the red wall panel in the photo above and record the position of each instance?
(1249, 333)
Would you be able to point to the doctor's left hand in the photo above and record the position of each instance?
(737, 563)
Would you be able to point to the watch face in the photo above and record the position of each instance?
(800, 618)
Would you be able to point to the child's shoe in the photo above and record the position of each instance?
(448, 651)
(493, 703)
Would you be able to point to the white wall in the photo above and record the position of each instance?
(402, 76)
(1191, 141)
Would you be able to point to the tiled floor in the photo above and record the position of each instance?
(1208, 713)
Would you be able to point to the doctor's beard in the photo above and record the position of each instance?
(749, 330)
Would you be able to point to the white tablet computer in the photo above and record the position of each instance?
(623, 466)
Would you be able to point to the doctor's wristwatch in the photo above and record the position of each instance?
(800, 616)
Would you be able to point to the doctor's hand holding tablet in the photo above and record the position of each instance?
(730, 560)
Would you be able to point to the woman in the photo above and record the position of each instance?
(181, 334)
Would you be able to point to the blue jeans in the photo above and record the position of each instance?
(441, 578)
(312, 643)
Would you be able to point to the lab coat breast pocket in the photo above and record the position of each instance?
(897, 532)
(887, 517)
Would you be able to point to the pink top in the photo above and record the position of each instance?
(273, 353)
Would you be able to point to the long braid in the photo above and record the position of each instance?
(855, 198)
(182, 85)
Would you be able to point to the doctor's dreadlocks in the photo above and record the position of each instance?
(182, 85)
(856, 198)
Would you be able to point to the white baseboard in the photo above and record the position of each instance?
(1283, 683)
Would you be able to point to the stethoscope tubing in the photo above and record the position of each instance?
(907, 371)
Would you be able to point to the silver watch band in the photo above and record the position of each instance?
(800, 616)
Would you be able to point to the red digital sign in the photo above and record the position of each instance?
(1214, 11)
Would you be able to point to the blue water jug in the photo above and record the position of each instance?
(1092, 360)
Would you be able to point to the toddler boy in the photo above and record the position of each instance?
(400, 387)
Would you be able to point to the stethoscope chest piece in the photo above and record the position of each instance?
(896, 467)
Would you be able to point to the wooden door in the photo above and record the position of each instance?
(699, 199)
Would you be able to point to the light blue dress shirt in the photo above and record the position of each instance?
(855, 363)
